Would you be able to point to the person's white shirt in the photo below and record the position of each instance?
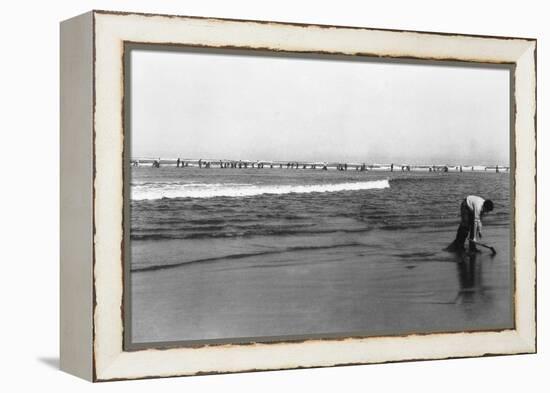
(475, 204)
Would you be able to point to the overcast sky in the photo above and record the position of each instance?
(198, 105)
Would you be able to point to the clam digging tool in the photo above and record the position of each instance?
(493, 251)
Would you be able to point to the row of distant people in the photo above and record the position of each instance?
(324, 166)
(235, 164)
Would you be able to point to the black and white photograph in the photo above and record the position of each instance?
(280, 196)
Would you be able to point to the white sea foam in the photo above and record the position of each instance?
(151, 191)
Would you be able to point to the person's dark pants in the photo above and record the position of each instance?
(465, 228)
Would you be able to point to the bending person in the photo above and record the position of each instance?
(472, 209)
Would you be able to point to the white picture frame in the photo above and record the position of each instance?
(92, 194)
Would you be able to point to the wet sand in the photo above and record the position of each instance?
(382, 282)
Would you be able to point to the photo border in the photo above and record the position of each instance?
(112, 30)
(288, 338)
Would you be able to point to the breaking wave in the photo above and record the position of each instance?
(152, 191)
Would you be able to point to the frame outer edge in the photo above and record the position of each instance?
(526, 198)
(114, 364)
(76, 228)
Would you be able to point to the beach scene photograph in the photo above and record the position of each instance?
(279, 196)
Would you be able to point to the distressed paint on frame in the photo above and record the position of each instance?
(260, 346)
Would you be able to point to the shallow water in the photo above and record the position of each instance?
(224, 253)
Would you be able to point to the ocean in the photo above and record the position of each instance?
(223, 254)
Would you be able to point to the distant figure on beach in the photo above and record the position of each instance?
(472, 209)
